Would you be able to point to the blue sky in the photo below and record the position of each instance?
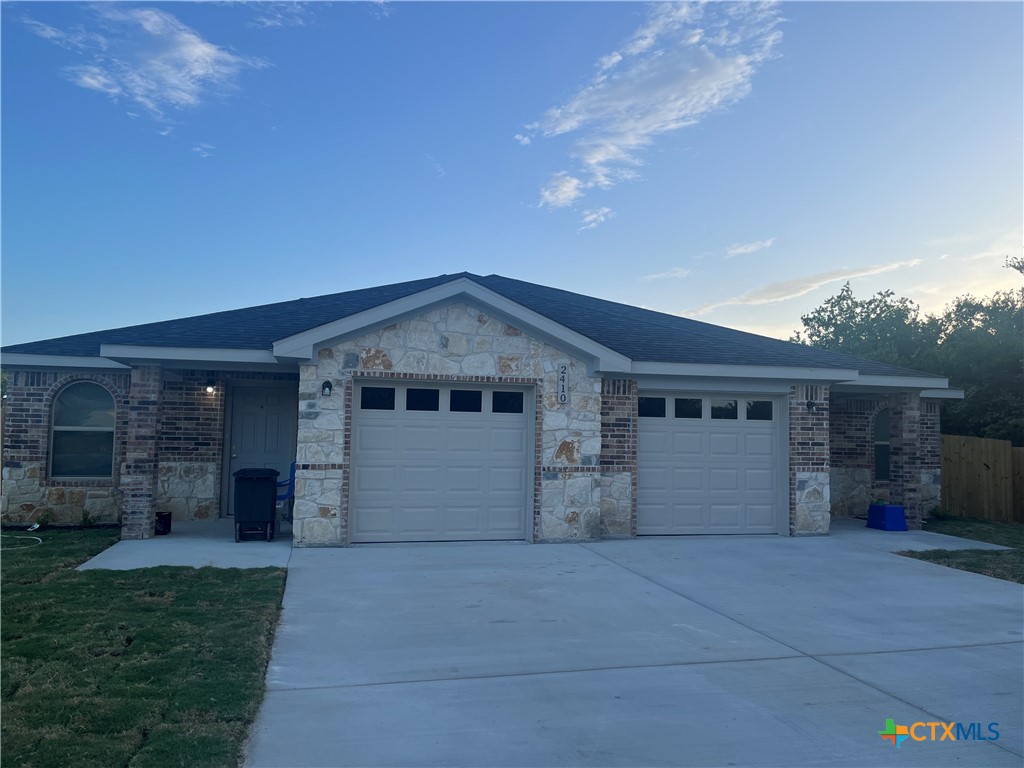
(734, 163)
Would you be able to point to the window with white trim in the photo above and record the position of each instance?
(82, 434)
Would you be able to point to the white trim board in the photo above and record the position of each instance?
(303, 346)
(23, 360)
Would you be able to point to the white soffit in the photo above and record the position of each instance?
(744, 371)
(186, 354)
(302, 346)
(22, 360)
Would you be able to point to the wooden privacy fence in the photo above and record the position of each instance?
(982, 478)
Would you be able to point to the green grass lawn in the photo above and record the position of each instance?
(151, 667)
(1006, 564)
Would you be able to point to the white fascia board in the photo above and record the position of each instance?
(187, 354)
(22, 360)
(943, 394)
(794, 374)
(302, 346)
(897, 382)
(646, 383)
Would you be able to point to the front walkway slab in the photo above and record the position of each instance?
(855, 531)
(686, 651)
(196, 544)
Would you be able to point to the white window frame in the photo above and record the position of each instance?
(54, 429)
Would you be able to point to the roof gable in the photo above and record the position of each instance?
(606, 330)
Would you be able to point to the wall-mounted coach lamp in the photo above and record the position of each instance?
(211, 387)
(812, 406)
(326, 389)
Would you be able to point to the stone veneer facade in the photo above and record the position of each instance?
(453, 343)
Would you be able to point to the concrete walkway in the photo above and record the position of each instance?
(197, 544)
(691, 651)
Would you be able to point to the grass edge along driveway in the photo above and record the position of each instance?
(1000, 564)
(152, 667)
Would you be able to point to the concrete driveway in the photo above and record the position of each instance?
(698, 651)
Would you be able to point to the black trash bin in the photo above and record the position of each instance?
(255, 502)
(163, 523)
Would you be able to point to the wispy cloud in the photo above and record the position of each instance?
(669, 274)
(270, 15)
(148, 57)
(204, 150)
(595, 217)
(742, 249)
(523, 139)
(75, 39)
(381, 9)
(561, 190)
(683, 63)
(438, 168)
(790, 289)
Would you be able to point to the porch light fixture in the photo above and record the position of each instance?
(812, 406)
(211, 387)
(326, 389)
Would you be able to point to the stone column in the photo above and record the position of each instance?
(905, 454)
(320, 517)
(809, 461)
(139, 463)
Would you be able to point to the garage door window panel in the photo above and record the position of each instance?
(723, 409)
(689, 408)
(651, 407)
(506, 402)
(422, 399)
(759, 410)
(377, 398)
(466, 401)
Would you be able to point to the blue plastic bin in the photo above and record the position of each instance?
(887, 517)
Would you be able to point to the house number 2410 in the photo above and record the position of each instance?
(563, 395)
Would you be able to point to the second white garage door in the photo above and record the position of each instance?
(708, 464)
(439, 462)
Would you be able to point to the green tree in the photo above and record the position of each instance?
(978, 343)
(882, 327)
(981, 349)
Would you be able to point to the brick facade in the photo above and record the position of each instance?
(915, 455)
(809, 460)
(170, 437)
(618, 458)
(29, 493)
(139, 462)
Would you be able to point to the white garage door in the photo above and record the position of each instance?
(439, 462)
(708, 464)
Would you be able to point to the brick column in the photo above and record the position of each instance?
(618, 458)
(139, 463)
(931, 457)
(905, 455)
(809, 460)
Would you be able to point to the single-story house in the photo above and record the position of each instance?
(462, 407)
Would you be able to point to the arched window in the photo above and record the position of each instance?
(82, 443)
(882, 445)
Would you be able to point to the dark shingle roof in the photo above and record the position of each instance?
(640, 334)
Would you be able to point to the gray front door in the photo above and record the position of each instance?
(263, 427)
